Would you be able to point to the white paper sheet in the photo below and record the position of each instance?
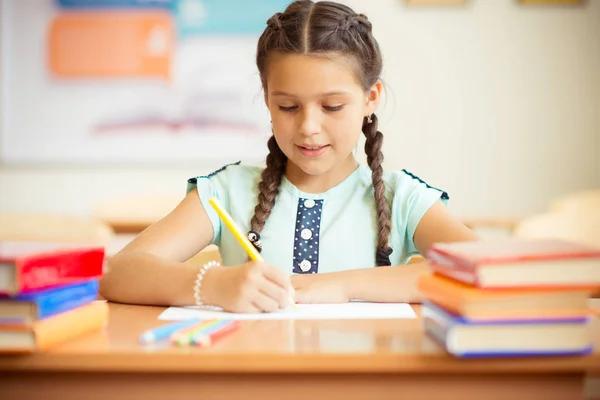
(352, 310)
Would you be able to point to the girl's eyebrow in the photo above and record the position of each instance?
(285, 94)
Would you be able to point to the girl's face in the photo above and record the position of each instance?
(317, 109)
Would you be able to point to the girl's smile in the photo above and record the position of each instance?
(313, 150)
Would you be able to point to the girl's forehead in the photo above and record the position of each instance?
(299, 74)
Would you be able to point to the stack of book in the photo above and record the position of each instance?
(48, 294)
(510, 297)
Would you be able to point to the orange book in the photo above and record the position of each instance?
(56, 330)
(470, 302)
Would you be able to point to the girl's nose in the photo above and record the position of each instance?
(310, 123)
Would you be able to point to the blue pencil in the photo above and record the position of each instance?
(163, 332)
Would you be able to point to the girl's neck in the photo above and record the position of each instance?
(316, 184)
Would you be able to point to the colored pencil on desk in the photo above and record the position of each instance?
(208, 330)
(182, 336)
(205, 339)
(239, 235)
(187, 338)
(164, 331)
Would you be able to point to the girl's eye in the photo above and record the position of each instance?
(334, 108)
(288, 109)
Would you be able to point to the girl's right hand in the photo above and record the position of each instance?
(253, 287)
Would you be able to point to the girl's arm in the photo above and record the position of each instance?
(385, 284)
(151, 269)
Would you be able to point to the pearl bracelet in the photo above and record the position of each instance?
(198, 281)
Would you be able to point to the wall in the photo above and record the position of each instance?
(497, 103)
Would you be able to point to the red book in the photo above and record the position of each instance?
(31, 266)
(518, 263)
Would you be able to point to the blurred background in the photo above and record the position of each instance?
(108, 107)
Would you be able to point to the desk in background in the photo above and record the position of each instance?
(302, 359)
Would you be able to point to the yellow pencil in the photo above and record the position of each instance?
(239, 235)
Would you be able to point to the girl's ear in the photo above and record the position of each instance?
(374, 97)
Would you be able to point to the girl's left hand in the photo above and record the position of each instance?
(319, 288)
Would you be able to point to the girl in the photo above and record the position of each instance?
(314, 211)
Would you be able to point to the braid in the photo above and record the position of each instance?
(375, 159)
(268, 186)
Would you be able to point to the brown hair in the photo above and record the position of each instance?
(325, 29)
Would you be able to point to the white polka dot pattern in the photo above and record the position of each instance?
(306, 236)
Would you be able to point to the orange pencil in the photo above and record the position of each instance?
(202, 339)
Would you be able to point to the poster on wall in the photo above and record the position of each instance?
(132, 81)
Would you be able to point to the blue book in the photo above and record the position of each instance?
(26, 309)
(508, 337)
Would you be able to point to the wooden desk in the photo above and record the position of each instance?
(323, 359)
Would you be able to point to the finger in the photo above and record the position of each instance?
(277, 276)
(251, 309)
(245, 307)
(265, 303)
(275, 292)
